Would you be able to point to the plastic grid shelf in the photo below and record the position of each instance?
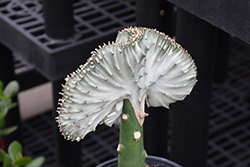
(229, 141)
(231, 148)
(38, 139)
(228, 104)
(101, 144)
(94, 21)
(91, 18)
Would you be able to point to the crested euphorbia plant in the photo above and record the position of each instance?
(141, 65)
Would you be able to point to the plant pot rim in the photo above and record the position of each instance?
(150, 158)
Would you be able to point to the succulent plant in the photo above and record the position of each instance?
(7, 92)
(6, 104)
(141, 65)
(15, 158)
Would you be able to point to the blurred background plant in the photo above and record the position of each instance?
(6, 104)
(15, 158)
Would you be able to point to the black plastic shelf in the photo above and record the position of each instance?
(95, 21)
(228, 104)
(231, 148)
(229, 141)
(229, 138)
(38, 138)
(91, 18)
(23, 21)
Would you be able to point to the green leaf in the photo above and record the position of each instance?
(11, 89)
(23, 161)
(8, 130)
(2, 154)
(19, 155)
(11, 105)
(36, 162)
(2, 123)
(14, 148)
(3, 113)
(5, 103)
(6, 161)
(4, 108)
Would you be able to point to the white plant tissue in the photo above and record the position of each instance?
(142, 62)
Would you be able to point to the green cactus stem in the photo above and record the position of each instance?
(130, 149)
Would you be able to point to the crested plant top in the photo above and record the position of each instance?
(142, 64)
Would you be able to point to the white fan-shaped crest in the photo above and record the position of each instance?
(141, 62)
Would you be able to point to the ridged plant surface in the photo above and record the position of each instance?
(141, 62)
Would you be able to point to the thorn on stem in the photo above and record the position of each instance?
(124, 117)
(118, 148)
(137, 135)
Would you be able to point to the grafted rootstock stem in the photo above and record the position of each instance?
(131, 149)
